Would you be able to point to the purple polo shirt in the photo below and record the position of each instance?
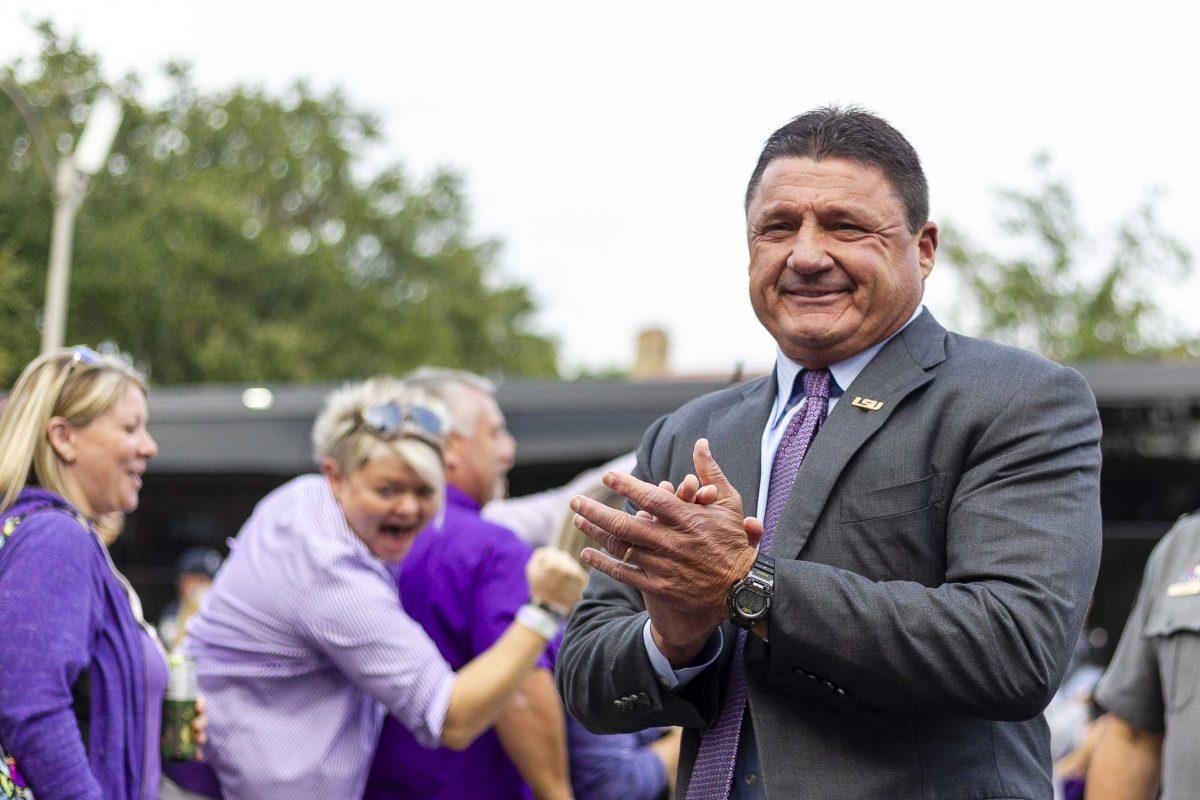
(463, 582)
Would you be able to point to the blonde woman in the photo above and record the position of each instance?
(81, 674)
(301, 642)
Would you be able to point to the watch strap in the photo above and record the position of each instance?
(760, 580)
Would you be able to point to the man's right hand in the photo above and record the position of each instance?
(679, 635)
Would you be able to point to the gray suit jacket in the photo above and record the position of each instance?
(934, 562)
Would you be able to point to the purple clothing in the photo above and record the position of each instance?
(64, 614)
(300, 645)
(463, 581)
(618, 766)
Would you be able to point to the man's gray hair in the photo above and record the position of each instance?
(447, 385)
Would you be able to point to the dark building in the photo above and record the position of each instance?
(219, 456)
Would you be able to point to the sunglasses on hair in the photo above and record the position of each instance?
(81, 354)
(391, 421)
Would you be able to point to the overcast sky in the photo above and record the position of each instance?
(608, 144)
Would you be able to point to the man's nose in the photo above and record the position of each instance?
(508, 450)
(808, 251)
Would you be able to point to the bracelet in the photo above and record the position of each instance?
(538, 620)
(558, 612)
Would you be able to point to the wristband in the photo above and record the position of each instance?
(558, 612)
(542, 622)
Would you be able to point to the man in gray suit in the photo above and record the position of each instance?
(924, 534)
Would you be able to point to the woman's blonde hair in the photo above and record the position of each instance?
(339, 434)
(77, 384)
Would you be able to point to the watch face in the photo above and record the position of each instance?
(750, 603)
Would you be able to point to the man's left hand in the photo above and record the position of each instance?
(689, 554)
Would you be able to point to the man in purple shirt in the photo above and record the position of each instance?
(463, 581)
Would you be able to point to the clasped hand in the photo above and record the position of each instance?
(691, 544)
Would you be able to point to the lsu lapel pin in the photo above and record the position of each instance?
(866, 404)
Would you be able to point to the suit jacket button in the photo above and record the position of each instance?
(841, 691)
(827, 685)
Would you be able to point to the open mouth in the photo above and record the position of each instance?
(395, 531)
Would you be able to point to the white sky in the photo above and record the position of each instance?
(608, 144)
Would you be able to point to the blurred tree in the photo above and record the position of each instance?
(235, 236)
(1054, 296)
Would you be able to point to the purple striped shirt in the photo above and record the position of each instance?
(301, 646)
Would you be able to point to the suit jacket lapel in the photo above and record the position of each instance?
(897, 370)
(735, 436)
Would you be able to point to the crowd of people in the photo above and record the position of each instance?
(369, 634)
(862, 575)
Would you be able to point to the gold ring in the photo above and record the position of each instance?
(628, 553)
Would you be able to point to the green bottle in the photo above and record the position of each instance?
(179, 709)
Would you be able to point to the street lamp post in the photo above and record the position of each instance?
(71, 179)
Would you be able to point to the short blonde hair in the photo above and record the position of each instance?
(74, 383)
(339, 435)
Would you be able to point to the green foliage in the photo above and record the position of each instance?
(1055, 297)
(234, 237)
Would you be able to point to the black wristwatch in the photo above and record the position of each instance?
(750, 598)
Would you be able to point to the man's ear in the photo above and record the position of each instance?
(452, 454)
(62, 438)
(927, 242)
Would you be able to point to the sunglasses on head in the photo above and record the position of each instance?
(81, 354)
(390, 421)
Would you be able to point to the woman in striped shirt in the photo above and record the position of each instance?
(302, 644)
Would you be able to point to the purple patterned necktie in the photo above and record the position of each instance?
(713, 770)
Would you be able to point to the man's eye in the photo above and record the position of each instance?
(385, 491)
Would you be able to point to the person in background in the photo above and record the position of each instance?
(194, 573)
(1072, 723)
(302, 644)
(1150, 742)
(464, 582)
(536, 517)
(83, 672)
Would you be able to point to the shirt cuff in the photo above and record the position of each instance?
(435, 714)
(676, 678)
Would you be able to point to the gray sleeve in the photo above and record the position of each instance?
(1131, 687)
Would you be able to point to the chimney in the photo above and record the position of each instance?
(653, 351)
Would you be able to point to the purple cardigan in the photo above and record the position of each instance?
(62, 611)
